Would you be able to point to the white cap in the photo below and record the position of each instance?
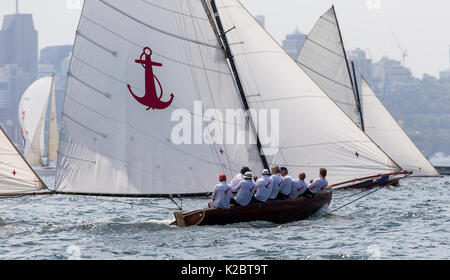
(248, 175)
(265, 172)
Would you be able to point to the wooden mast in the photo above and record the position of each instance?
(229, 56)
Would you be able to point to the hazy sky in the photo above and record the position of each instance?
(422, 26)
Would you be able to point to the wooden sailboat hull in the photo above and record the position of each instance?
(275, 211)
(371, 184)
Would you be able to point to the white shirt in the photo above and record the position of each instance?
(298, 187)
(236, 180)
(221, 196)
(277, 180)
(245, 191)
(286, 185)
(263, 188)
(318, 185)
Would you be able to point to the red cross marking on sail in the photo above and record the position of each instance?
(151, 98)
(357, 154)
(14, 172)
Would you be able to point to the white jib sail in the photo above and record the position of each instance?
(109, 142)
(15, 174)
(388, 134)
(32, 110)
(323, 57)
(314, 132)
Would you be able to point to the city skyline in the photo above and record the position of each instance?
(370, 25)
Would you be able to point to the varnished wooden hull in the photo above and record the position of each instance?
(371, 184)
(275, 211)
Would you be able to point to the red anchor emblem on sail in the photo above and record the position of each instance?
(151, 98)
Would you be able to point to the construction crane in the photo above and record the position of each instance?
(404, 51)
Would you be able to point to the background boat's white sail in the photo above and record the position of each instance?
(314, 132)
(16, 176)
(32, 110)
(109, 142)
(388, 134)
(323, 57)
(53, 139)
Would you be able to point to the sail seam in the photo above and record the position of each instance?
(157, 29)
(80, 159)
(82, 125)
(107, 95)
(113, 53)
(139, 46)
(326, 77)
(173, 11)
(139, 131)
(325, 48)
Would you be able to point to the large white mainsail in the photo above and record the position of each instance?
(16, 176)
(110, 143)
(388, 134)
(32, 110)
(314, 132)
(324, 58)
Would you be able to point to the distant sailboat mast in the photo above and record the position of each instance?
(53, 140)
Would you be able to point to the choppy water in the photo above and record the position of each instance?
(408, 222)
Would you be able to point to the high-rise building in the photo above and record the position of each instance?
(54, 55)
(294, 43)
(19, 43)
(13, 83)
(362, 63)
(261, 20)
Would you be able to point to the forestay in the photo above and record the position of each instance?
(113, 142)
(324, 59)
(314, 132)
(16, 176)
(388, 134)
(32, 110)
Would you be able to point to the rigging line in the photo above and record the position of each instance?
(352, 195)
(353, 201)
(139, 46)
(155, 28)
(131, 203)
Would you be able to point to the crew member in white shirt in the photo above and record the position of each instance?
(239, 177)
(221, 195)
(317, 186)
(244, 190)
(286, 185)
(263, 187)
(298, 186)
(277, 180)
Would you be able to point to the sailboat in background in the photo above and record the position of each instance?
(33, 109)
(16, 175)
(385, 131)
(324, 58)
